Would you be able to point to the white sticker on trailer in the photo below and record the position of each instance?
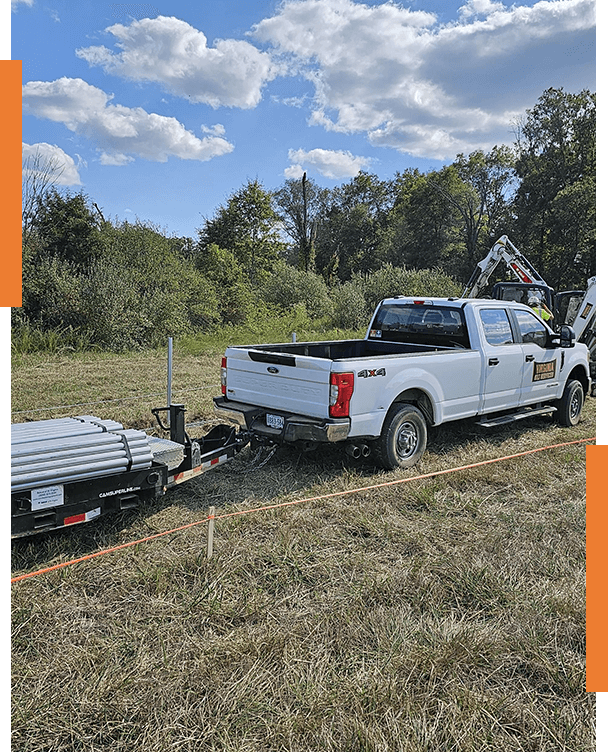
(43, 498)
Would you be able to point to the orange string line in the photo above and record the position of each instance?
(292, 503)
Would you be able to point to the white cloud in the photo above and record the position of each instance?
(331, 164)
(64, 168)
(15, 3)
(428, 89)
(216, 130)
(294, 172)
(174, 54)
(475, 8)
(115, 159)
(118, 132)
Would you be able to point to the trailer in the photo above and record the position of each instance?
(68, 471)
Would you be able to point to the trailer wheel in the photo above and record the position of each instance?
(570, 406)
(403, 438)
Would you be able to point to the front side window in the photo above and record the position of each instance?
(496, 326)
(531, 328)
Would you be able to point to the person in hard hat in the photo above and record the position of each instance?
(540, 308)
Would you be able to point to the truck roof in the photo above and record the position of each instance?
(449, 302)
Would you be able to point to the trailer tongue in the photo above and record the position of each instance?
(74, 470)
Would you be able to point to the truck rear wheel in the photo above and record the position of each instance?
(403, 438)
(570, 406)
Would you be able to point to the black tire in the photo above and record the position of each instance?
(403, 438)
(570, 406)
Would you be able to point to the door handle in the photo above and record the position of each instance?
(529, 358)
(493, 362)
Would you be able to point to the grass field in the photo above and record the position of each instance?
(440, 614)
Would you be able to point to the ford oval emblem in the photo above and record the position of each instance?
(272, 369)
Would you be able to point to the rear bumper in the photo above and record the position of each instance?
(296, 427)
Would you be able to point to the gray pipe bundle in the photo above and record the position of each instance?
(47, 452)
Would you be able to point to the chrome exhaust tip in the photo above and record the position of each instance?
(354, 451)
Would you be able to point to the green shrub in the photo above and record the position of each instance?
(52, 293)
(290, 287)
(115, 309)
(127, 311)
(143, 291)
(228, 281)
(390, 281)
(350, 309)
(355, 301)
(202, 305)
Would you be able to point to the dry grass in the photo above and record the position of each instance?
(117, 387)
(445, 614)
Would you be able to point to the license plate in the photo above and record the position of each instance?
(275, 421)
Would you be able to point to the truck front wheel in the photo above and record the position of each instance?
(403, 438)
(570, 406)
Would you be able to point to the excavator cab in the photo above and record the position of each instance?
(521, 292)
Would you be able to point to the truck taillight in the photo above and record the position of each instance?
(223, 374)
(341, 387)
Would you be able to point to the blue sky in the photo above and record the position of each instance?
(160, 111)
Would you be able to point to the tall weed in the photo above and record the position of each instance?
(268, 324)
(27, 339)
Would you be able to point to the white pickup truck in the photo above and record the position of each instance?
(423, 362)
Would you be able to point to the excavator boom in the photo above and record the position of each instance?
(575, 307)
(502, 250)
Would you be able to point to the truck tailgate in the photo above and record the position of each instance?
(292, 383)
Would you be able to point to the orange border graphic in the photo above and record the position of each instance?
(10, 185)
(597, 569)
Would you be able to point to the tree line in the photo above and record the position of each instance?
(331, 254)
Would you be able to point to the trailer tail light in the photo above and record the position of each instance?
(341, 387)
(223, 376)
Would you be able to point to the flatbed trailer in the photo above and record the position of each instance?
(42, 506)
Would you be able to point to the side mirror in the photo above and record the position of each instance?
(567, 338)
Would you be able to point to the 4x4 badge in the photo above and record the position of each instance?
(365, 374)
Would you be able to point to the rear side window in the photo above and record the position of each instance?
(496, 326)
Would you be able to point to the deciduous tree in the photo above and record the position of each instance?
(555, 202)
(248, 227)
(300, 204)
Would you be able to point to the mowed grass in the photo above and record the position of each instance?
(438, 614)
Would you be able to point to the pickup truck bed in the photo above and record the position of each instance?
(343, 349)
